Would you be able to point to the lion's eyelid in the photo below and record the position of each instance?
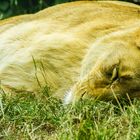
(115, 74)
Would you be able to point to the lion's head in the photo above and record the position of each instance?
(111, 69)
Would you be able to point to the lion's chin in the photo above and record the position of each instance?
(104, 95)
(68, 97)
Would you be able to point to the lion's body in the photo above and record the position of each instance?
(60, 45)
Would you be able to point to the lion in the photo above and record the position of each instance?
(79, 50)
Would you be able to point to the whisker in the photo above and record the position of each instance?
(114, 94)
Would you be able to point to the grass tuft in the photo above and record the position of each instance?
(37, 117)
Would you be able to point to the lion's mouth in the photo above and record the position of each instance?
(134, 92)
(109, 94)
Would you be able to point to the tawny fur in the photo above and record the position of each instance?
(77, 47)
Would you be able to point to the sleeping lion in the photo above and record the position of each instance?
(79, 50)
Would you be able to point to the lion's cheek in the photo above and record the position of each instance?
(75, 93)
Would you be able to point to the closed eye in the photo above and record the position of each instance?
(112, 72)
(126, 77)
(115, 74)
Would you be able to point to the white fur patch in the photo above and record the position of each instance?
(68, 97)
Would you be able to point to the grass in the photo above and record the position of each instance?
(39, 117)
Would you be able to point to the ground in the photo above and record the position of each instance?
(40, 117)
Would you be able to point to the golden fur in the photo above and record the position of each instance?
(83, 49)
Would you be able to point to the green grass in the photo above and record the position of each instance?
(39, 117)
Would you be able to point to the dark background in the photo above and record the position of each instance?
(15, 7)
